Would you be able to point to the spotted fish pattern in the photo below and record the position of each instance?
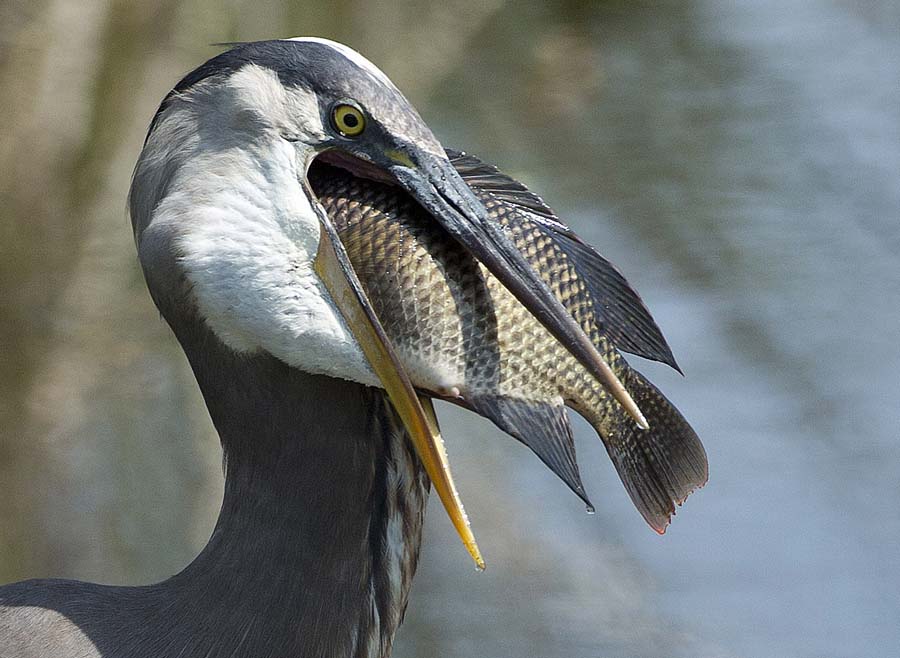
(463, 337)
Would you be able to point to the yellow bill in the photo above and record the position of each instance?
(417, 414)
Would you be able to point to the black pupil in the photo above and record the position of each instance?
(351, 120)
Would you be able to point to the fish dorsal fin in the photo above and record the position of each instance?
(505, 188)
(621, 311)
(627, 322)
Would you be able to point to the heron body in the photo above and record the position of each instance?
(328, 269)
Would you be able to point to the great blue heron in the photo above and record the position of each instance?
(330, 444)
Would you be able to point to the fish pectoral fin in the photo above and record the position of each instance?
(541, 426)
(661, 466)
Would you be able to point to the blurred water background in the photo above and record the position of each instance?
(739, 161)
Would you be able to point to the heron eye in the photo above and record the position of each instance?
(348, 120)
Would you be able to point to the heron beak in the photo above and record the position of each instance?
(417, 413)
(442, 192)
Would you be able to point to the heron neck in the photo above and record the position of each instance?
(318, 537)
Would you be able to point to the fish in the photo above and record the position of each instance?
(462, 336)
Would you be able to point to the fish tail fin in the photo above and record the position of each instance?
(660, 466)
(541, 426)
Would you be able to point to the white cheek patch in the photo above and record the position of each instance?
(248, 240)
(294, 110)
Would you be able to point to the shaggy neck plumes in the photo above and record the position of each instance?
(318, 537)
(315, 547)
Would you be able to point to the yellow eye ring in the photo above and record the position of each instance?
(348, 120)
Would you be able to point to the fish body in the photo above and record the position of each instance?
(462, 336)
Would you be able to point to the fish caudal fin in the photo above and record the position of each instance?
(661, 466)
(542, 427)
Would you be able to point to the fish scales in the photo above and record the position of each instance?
(452, 323)
(461, 335)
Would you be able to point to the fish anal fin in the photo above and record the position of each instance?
(541, 426)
